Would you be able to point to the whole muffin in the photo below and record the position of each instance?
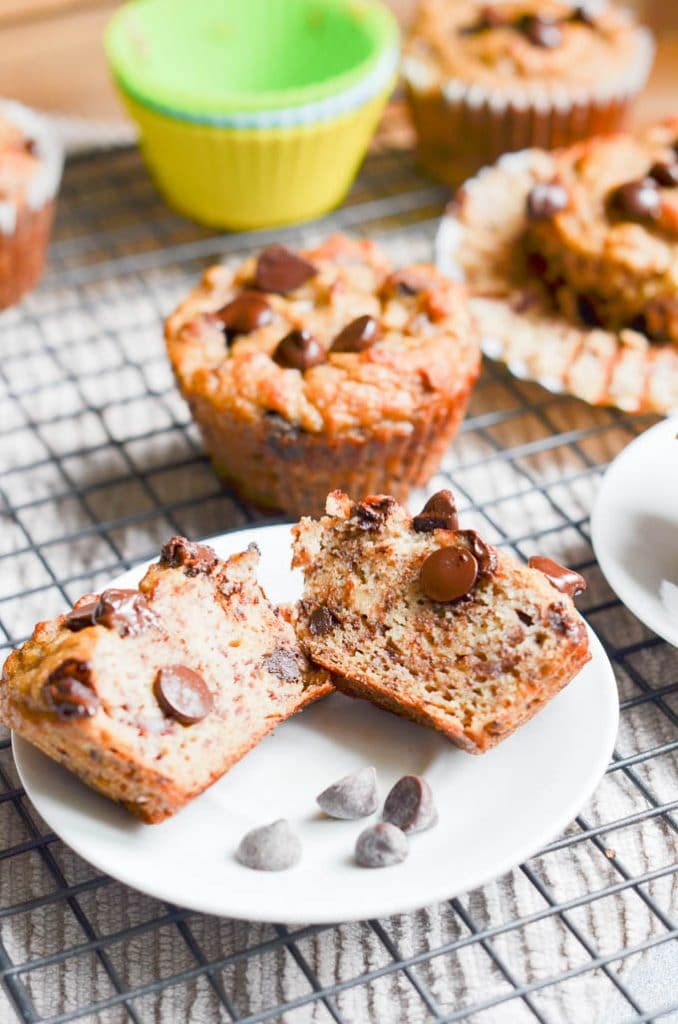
(30, 171)
(324, 369)
(485, 79)
(571, 260)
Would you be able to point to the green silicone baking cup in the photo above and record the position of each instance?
(214, 57)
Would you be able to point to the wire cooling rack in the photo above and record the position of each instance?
(100, 463)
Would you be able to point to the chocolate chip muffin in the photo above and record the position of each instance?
(484, 79)
(571, 259)
(322, 369)
(431, 621)
(150, 695)
(30, 171)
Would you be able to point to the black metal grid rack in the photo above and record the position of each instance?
(100, 463)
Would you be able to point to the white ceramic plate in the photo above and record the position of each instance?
(495, 810)
(634, 528)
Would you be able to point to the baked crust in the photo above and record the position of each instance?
(210, 616)
(475, 669)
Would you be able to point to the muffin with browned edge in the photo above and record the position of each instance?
(431, 621)
(571, 260)
(150, 695)
(485, 79)
(310, 371)
(30, 172)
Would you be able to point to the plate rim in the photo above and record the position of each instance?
(401, 902)
(608, 567)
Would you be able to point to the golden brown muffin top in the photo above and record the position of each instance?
(18, 161)
(530, 45)
(410, 338)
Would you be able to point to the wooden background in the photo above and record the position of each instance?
(51, 55)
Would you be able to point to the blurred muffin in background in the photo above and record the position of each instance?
(30, 172)
(308, 372)
(485, 79)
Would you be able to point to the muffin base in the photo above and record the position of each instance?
(518, 324)
(280, 468)
(22, 253)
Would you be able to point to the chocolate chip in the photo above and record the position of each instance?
(279, 270)
(484, 554)
(299, 350)
(636, 200)
(559, 620)
(322, 621)
(541, 30)
(380, 846)
(69, 691)
(567, 581)
(355, 796)
(273, 847)
(127, 611)
(82, 617)
(244, 314)
(410, 805)
(357, 336)
(182, 694)
(439, 513)
(587, 312)
(665, 174)
(193, 558)
(404, 282)
(659, 320)
(545, 200)
(448, 574)
(583, 16)
(283, 663)
(371, 514)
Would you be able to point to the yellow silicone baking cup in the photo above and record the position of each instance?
(243, 178)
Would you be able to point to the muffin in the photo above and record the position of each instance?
(30, 171)
(485, 79)
(323, 369)
(431, 621)
(150, 695)
(571, 259)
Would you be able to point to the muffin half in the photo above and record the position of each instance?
(324, 369)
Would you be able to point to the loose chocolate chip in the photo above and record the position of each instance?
(322, 621)
(567, 581)
(244, 314)
(636, 200)
(283, 663)
(380, 846)
(127, 611)
(355, 796)
(448, 574)
(541, 30)
(273, 847)
(410, 805)
(279, 270)
(69, 692)
(439, 513)
(182, 694)
(545, 200)
(484, 554)
(193, 558)
(299, 350)
(371, 514)
(82, 617)
(357, 336)
(665, 174)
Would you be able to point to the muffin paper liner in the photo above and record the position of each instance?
(518, 326)
(25, 227)
(462, 127)
(280, 468)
